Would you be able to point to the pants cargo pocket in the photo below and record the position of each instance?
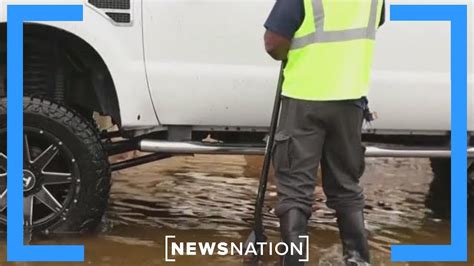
(362, 160)
(281, 153)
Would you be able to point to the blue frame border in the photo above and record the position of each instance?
(457, 250)
(16, 16)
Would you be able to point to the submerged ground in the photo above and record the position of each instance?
(210, 198)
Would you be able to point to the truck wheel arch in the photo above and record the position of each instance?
(91, 88)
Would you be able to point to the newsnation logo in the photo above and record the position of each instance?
(174, 249)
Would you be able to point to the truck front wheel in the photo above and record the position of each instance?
(66, 175)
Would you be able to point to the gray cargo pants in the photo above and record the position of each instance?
(319, 132)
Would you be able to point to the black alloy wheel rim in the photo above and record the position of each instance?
(51, 179)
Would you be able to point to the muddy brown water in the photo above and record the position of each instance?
(210, 198)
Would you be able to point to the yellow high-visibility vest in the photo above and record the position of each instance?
(331, 53)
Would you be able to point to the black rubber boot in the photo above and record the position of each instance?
(354, 238)
(293, 224)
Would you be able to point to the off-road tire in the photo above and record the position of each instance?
(82, 139)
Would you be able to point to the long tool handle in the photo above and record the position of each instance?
(258, 227)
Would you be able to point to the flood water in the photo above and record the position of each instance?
(210, 198)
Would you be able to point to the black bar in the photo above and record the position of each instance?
(262, 187)
(119, 147)
(110, 135)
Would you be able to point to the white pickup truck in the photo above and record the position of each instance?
(170, 73)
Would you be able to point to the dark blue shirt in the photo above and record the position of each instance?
(287, 15)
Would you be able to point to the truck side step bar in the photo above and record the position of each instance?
(169, 147)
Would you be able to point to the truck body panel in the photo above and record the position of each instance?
(121, 48)
(202, 63)
(206, 62)
(211, 63)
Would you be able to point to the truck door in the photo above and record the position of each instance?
(411, 88)
(206, 62)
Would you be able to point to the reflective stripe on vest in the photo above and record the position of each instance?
(331, 54)
(320, 35)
